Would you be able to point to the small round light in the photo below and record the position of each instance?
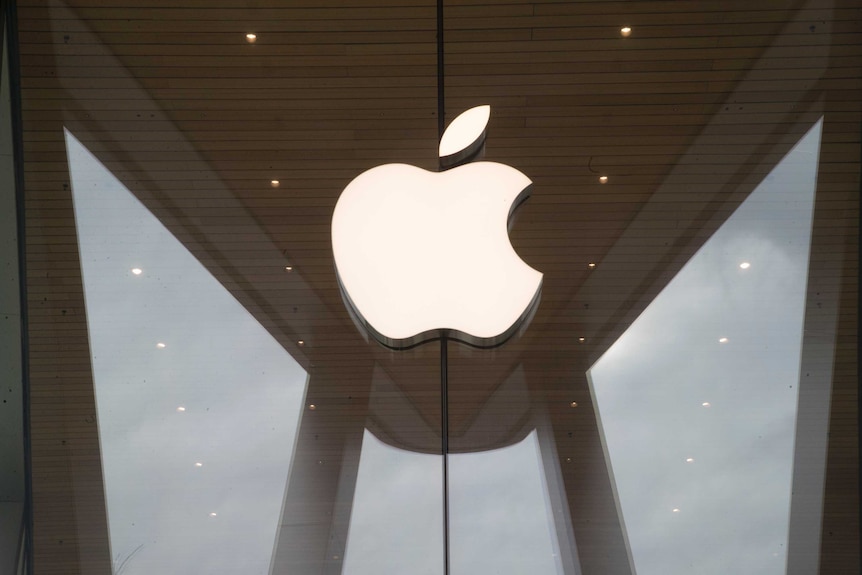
(705, 404)
(181, 409)
(582, 339)
(675, 510)
(137, 271)
(252, 38)
(591, 265)
(689, 459)
(213, 514)
(626, 31)
(198, 464)
(603, 179)
(744, 265)
(274, 183)
(573, 404)
(300, 342)
(288, 268)
(568, 460)
(722, 340)
(160, 345)
(312, 407)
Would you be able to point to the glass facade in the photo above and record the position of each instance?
(710, 434)
(202, 397)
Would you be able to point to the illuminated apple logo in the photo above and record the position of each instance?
(419, 254)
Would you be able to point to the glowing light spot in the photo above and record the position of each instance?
(481, 295)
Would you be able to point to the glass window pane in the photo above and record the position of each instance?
(698, 398)
(197, 404)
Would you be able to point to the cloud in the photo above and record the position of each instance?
(728, 509)
(241, 394)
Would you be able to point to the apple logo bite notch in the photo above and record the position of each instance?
(422, 255)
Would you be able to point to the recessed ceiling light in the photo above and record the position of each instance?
(582, 339)
(745, 265)
(603, 179)
(675, 510)
(213, 514)
(160, 345)
(137, 271)
(274, 183)
(689, 459)
(573, 404)
(705, 404)
(722, 340)
(568, 460)
(198, 464)
(591, 265)
(252, 38)
(626, 31)
(181, 409)
(288, 268)
(300, 342)
(312, 407)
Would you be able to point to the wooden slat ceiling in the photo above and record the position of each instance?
(685, 117)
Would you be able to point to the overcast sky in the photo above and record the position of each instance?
(500, 520)
(223, 393)
(732, 500)
(500, 517)
(240, 392)
(242, 396)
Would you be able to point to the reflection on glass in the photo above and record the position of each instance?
(500, 517)
(396, 524)
(500, 513)
(698, 398)
(197, 404)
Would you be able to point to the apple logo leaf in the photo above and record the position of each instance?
(421, 254)
(464, 139)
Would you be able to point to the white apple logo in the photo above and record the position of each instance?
(420, 253)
